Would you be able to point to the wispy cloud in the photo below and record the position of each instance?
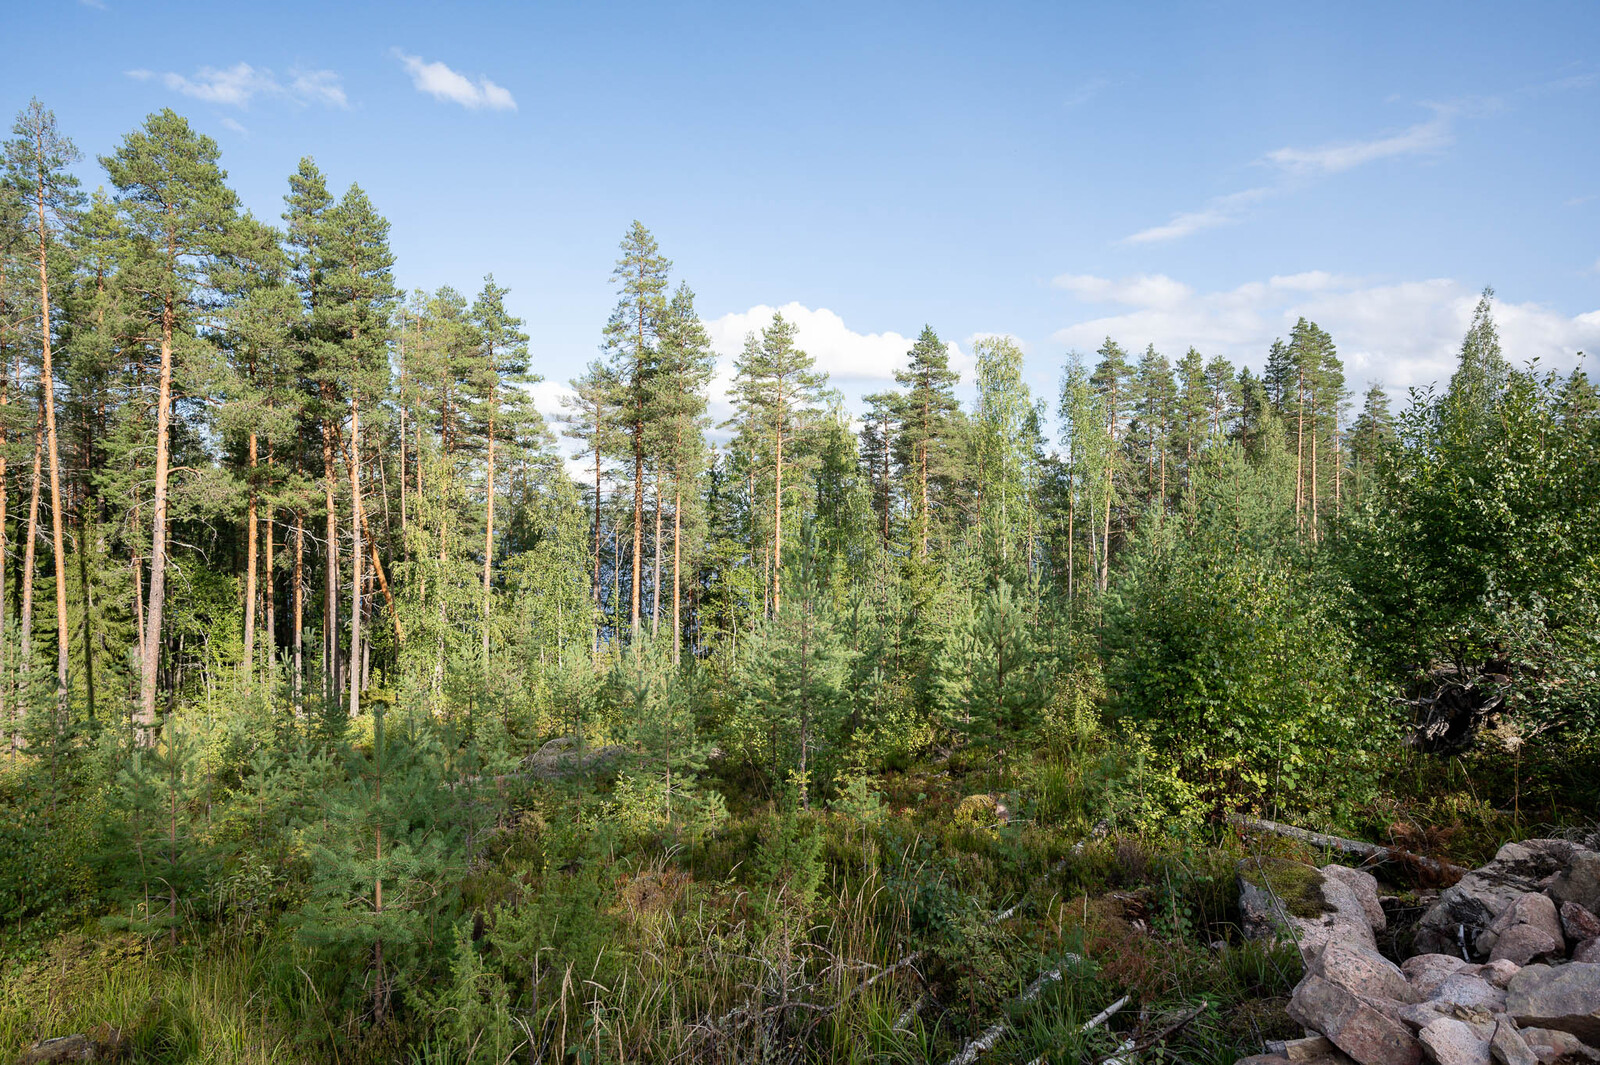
(237, 85)
(1422, 138)
(1221, 211)
(98, 5)
(234, 125)
(1085, 92)
(442, 83)
(1398, 334)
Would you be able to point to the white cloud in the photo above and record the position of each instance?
(1222, 211)
(1424, 137)
(443, 83)
(237, 85)
(229, 123)
(1399, 334)
(842, 352)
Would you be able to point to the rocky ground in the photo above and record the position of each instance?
(1502, 969)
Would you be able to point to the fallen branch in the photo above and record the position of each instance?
(991, 1035)
(1370, 853)
(1094, 1022)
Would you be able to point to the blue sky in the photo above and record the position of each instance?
(1172, 174)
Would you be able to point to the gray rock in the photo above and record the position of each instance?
(1465, 991)
(1527, 930)
(75, 1047)
(1579, 882)
(1452, 1042)
(1365, 887)
(1508, 1047)
(1551, 1046)
(1364, 971)
(1587, 951)
(1526, 943)
(1579, 922)
(1483, 894)
(1423, 968)
(1365, 1029)
(1566, 998)
(1499, 973)
(1291, 901)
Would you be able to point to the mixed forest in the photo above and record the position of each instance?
(353, 711)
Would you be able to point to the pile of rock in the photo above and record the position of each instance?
(1508, 974)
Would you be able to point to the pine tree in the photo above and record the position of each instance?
(631, 339)
(927, 409)
(178, 212)
(686, 367)
(776, 390)
(36, 164)
(589, 419)
(506, 409)
(1112, 380)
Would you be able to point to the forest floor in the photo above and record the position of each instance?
(962, 914)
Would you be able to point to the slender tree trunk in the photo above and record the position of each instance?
(655, 580)
(488, 539)
(638, 520)
(250, 562)
(5, 672)
(88, 611)
(355, 557)
(330, 571)
(1299, 451)
(677, 562)
(269, 573)
(158, 530)
(298, 683)
(57, 520)
(777, 521)
(598, 545)
(405, 407)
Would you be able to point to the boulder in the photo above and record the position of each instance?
(1427, 971)
(566, 756)
(1362, 970)
(1587, 951)
(1365, 887)
(1578, 922)
(1499, 973)
(1551, 1046)
(1452, 1042)
(1508, 1047)
(1365, 1029)
(1580, 881)
(1472, 904)
(1464, 991)
(1527, 930)
(1565, 997)
(75, 1047)
(1290, 900)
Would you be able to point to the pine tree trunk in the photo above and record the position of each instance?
(269, 575)
(158, 531)
(599, 545)
(298, 683)
(655, 580)
(488, 541)
(777, 521)
(638, 520)
(57, 522)
(677, 563)
(5, 672)
(355, 557)
(1299, 451)
(330, 570)
(250, 533)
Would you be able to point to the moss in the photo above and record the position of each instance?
(1298, 885)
